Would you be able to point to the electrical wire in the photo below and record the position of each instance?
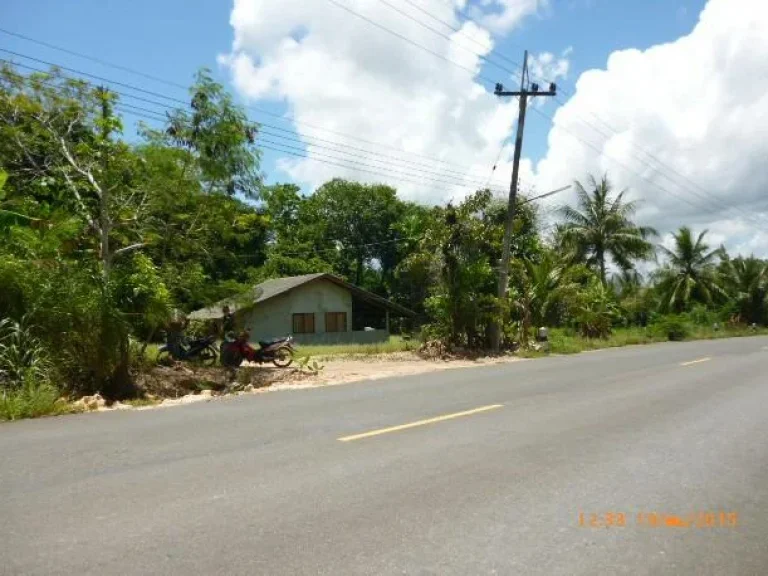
(462, 31)
(281, 117)
(707, 206)
(301, 153)
(480, 56)
(473, 72)
(453, 174)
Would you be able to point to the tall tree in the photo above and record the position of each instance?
(690, 274)
(601, 227)
(746, 281)
(358, 220)
(219, 137)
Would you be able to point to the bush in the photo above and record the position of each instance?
(21, 355)
(702, 316)
(595, 311)
(25, 387)
(29, 398)
(673, 327)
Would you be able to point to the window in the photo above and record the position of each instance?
(335, 321)
(304, 323)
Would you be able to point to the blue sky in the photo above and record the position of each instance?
(172, 38)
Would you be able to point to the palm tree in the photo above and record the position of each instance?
(602, 227)
(690, 275)
(541, 289)
(746, 280)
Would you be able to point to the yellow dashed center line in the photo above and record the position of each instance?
(434, 420)
(700, 360)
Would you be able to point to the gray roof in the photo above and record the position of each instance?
(271, 288)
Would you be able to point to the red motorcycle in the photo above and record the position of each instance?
(279, 351)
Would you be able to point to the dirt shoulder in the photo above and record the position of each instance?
(355, 369)
(183, 384)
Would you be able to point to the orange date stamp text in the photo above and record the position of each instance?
(701, 520)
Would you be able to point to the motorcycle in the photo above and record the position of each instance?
(279, 351)
(199, 349)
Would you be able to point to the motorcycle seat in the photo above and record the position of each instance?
(268, 343)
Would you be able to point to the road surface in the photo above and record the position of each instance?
(488, 470)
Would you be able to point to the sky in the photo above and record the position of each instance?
(668, 97)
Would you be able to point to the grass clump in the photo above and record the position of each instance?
(26, 389)
(392, 345)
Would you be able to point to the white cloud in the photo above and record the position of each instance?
(339, 72)
(700, 106)
(548, 67)
(504, 15)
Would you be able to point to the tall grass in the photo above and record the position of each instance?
(394, 344)
(25, 386)
(565, 341)
(30, 399)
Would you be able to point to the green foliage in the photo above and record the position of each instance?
(30, 398)
(22, 357)
(220, 138)
(595, 311)
(690, 275)
(673, 327)
(101, 238)
(393, 344)
(307, 365)
(25, 387)
(602, 228)
(745, 280)
(700, 315)
(142, 295)
(544, 292)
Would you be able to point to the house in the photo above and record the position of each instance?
(314, 309)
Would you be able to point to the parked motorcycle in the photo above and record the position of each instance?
(196, 349)
(279, 351)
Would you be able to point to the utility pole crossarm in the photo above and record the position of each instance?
(525, 93)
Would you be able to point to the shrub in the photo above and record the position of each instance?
(21, 355)
(595, 311)
(673, 327)
(702, 316)
(29, 398)
(25, 387)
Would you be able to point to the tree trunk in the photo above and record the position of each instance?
(601, 262)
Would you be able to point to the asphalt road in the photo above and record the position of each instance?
(473, 471)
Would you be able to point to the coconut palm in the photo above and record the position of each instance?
(690, 275)
(542, 289)
(746, 281)
(601, 227)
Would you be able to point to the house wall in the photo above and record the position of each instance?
(274, 317)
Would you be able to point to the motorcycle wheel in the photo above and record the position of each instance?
(208, 356)
(283, 357)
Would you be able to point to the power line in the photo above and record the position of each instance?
(614, 131)
(462, 31)
(661, 168)
(442, 35)
(412, 42)
(453, 175)
(136, 110)
(623, 165)
(281, 117)
(295, 151)
(185, 104)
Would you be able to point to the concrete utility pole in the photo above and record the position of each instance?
(526, 91)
